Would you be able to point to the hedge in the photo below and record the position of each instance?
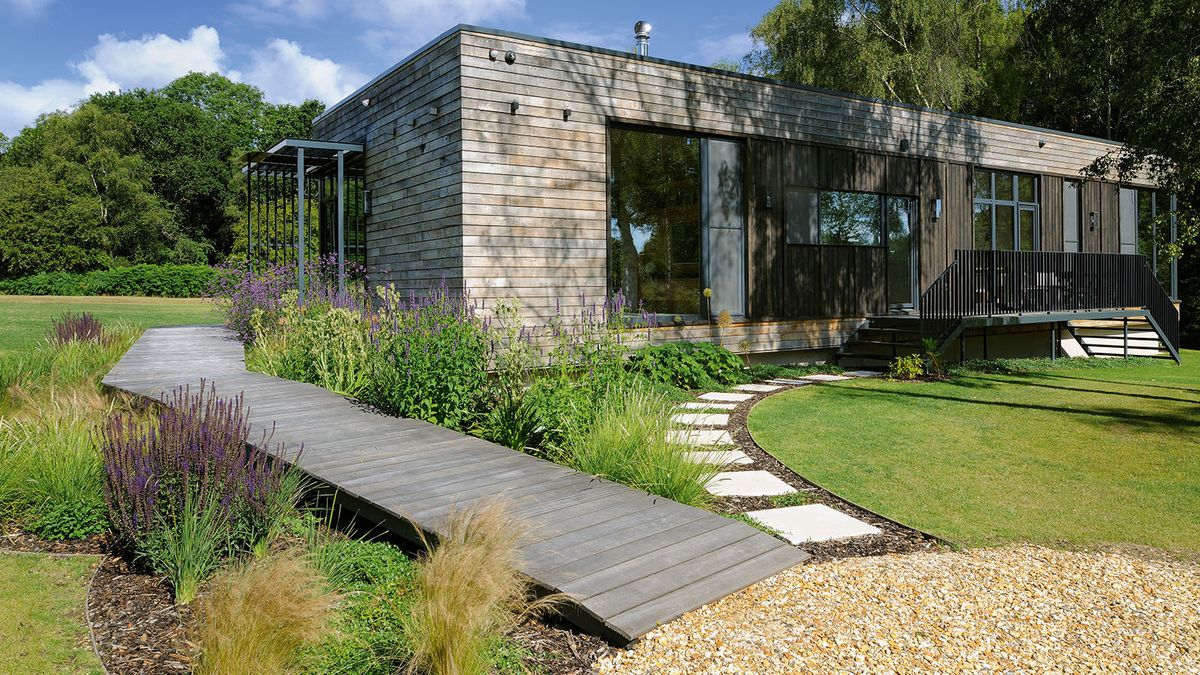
(169, 281)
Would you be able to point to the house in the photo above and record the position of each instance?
(824, 223)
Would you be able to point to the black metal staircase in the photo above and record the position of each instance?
(982, 288)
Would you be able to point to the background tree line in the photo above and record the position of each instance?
(141, 176)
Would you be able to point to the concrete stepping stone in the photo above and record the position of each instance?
(790, 383)
(702, 419)
(822, 377)
(812, 522)
(758, 388)
(747, 484)
(701, 437)
(726, 397)
(719, 457)
(863, 373)
(707, 405)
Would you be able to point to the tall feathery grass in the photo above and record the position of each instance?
(469, 593)
(51, 476)
(257, 618)
(629, 441)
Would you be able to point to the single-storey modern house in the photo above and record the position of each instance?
(824, 223)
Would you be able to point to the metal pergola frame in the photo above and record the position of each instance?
(305, 159)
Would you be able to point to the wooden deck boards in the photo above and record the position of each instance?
(629, 560)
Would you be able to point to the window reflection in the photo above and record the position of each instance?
(654, 232)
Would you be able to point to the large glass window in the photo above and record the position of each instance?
(1006, 211)
(1155, 232)
(676, 222)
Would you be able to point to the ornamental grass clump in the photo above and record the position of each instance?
(258, 617)
(629, 441)
(468, 593)
(184, 489)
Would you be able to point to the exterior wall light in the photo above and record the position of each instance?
(366, 102)
(1041, 143)
(514, 107)
(566, 114)
(510, 57)
(904, 145)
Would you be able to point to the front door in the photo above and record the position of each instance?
(901, 260)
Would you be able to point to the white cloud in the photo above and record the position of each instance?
(728, 48)
(287, 75)
(149, 61)
(282, 70)
(152, 60)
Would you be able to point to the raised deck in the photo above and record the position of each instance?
(629, 560)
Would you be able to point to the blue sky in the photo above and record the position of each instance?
(55, 52)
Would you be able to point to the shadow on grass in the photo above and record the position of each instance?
(1027, 380)
(1175, 424)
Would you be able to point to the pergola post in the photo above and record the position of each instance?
(249, 227)
(341, 222)
(300, 248)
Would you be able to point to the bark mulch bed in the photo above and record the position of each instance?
(138, 628)
(895, 537)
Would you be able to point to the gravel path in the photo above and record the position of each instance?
(1012, 609)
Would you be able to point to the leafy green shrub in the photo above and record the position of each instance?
(429, 358)
(317, 343)
(1038, 365)
(690, 365)
(791, 371)
(169, 281)
(60, 520)
(629, 442)
(910, 367)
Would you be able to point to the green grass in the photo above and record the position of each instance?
(25, 319)
(42, 628)
(1106, 456)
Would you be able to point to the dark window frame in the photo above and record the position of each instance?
(1014, 201)
(701, 136)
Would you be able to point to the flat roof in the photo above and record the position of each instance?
(318, 155)
(463, 27)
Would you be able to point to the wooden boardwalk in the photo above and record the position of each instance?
(629, 560)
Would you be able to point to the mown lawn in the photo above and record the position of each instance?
(1096, 456)
(42, 628)
(25, 319)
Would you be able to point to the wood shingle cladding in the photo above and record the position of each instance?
(513, 203)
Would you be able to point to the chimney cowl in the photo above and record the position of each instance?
(641, 35)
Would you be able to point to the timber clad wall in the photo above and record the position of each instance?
(414, 171)
(515, 205)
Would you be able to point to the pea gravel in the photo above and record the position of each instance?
(1011, 609)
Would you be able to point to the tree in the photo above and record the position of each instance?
(84, 200)
(1129, 71)
(946, 54)
(4, 143)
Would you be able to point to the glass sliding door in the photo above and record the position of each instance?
(901, 290)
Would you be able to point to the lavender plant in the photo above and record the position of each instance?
(71, 327)
(185, 487)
